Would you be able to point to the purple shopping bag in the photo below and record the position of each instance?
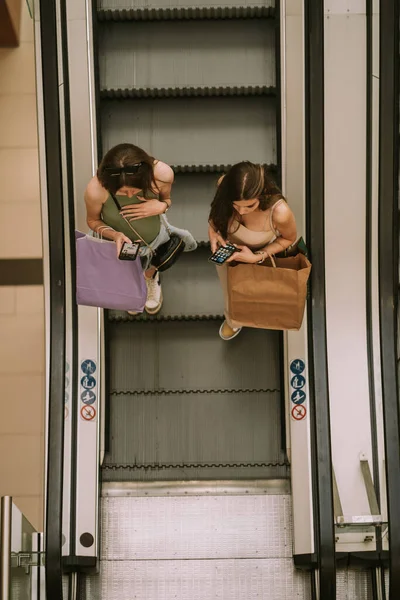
(103, 280)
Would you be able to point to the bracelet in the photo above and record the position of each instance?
(263, 258)
(167, 206)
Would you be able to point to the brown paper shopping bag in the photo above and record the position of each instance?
(268, 296)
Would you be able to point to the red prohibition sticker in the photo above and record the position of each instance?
(88, 413)
(299, 412)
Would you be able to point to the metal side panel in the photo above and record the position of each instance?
(196, 527)
(109, 4)
(151, 55)
(194, 130)
(163, 430)
(190, 289)
(274, 579)
(188, 356)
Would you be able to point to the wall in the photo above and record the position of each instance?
(22, 386)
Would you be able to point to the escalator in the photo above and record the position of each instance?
(186, 86)
(185, 406)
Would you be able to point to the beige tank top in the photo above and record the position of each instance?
(241, 235)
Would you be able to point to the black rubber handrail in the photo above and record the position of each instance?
(319, 391)
(388, 269)
(53, 163)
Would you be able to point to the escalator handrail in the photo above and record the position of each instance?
(56, 291)
(388, 269)
(317, 339)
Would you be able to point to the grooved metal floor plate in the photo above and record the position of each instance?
(194, 130)
(266, 579)
(187, 356)
(353, 585)
(190, 289)
(229, 428)
(197, 527)
(180, 55)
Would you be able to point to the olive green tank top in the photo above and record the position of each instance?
(148, 228)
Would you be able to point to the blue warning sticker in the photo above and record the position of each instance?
(297, 382)
(88, 382)
(88, 397)
(88, 367)
(297, 366)
(298, 397)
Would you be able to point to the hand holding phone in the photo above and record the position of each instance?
(223, 253)
(129, 251)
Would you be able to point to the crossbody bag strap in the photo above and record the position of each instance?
(117, 204)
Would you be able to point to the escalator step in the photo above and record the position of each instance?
(190, 432)
(183, 13)
(191, 290)
(190, 356)
(186, 92)
(194, 130)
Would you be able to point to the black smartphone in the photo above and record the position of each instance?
(129, 251)
(223, 253)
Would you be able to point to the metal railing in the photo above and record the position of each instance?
(21, 557)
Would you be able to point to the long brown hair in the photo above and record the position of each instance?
(243, 181)
(126, 164)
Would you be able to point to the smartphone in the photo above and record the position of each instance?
(129, 251)
(223, 253)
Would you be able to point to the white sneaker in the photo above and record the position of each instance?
(154, 295)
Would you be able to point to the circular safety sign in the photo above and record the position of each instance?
(299, 412)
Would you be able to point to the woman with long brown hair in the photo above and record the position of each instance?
(249, 211)
(140, 185)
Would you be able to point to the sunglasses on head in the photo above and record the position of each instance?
(127, 170)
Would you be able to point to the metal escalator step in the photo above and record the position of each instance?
(194, 130)
(186, 92)
(189, 356)
(207, 168)
(190, 56)
(109, 11)
(187, 432)
(191, 290)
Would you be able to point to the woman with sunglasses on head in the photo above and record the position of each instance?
(126, 201)
(249, 211)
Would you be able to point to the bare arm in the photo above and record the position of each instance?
(164, 177)
(214, 236)
(285, 223)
